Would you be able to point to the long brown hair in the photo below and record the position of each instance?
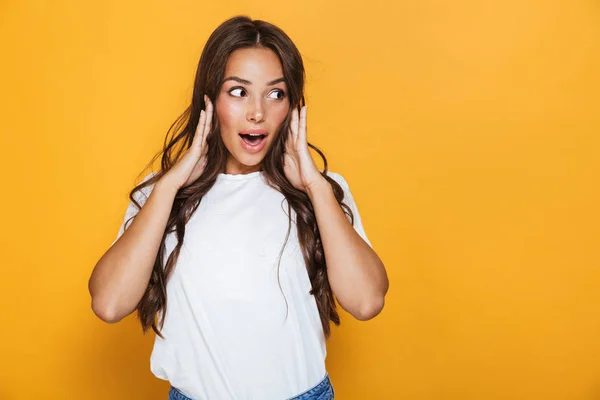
(235, 33)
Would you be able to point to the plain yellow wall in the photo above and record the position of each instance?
(469, 134)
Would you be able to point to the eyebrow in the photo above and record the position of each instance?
(247, 82)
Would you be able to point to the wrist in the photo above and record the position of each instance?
(166, 187)
(318, 188)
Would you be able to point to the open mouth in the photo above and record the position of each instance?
(253, 139)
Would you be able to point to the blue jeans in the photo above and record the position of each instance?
(322, 391)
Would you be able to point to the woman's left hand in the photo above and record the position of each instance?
(299, 167)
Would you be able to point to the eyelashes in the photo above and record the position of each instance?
(237, 91)
(278, 91)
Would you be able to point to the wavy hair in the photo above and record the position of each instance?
(235, 33)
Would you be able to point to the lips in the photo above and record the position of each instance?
(253, 140)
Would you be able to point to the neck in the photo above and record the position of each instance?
(234, 167)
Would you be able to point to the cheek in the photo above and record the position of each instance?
(279, 113)
(229, 114)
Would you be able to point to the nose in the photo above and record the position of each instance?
(255, 112)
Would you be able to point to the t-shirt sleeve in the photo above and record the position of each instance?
(140, 196)
(349, 200)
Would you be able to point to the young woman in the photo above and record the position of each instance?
(239, 243)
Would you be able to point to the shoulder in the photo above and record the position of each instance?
(150, 175)
(143, 193)
(338, 178)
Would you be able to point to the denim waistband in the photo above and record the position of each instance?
(321, 391)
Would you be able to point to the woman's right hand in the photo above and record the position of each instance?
(191, 165)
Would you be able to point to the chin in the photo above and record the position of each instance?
(248, 160)
(251, 160)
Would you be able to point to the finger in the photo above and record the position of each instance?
(199, 129)
(289, 143)
(294, 123)
(209, 116)
(204, 150)
(302, 125)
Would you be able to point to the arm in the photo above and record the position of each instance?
(121, 276)
(356, 274)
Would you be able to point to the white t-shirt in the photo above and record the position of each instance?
(226, 331)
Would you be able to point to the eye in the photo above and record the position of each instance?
(277, 94)
(237, 92)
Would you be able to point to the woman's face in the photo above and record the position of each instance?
(251, 106)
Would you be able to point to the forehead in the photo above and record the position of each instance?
(257, 65)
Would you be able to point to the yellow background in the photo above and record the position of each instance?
(469, 134)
